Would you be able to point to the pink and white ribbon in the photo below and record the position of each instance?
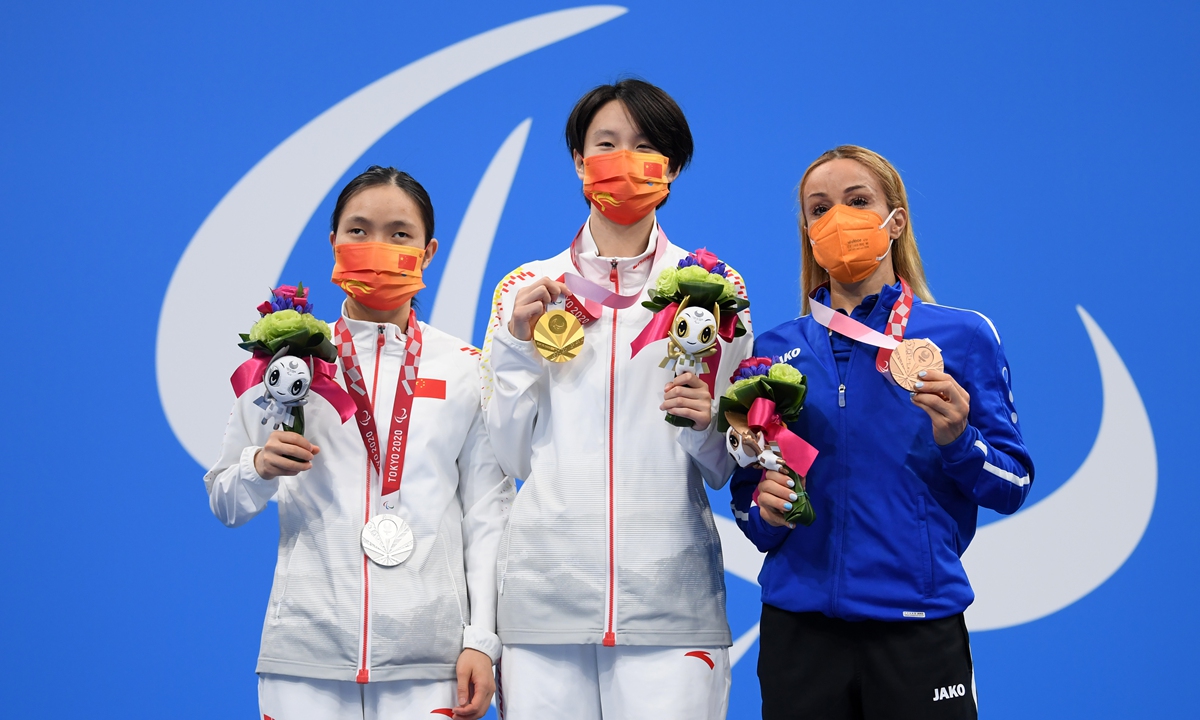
(853, 329)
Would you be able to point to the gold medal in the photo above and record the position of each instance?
(912, 357)
(558, 336)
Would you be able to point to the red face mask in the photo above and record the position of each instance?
(382, 276)
(625, 186)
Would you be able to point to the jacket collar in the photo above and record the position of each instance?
(365, 332)
(632, 271)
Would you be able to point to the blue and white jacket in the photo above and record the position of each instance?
(895, 511)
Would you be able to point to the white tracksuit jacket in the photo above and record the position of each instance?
(611, 539)
(334, 614)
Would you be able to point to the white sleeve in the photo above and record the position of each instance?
(236, 492)
(486, 496)
(510, 370)
(707, 447)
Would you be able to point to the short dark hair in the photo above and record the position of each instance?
(655, 112)
(377, 175)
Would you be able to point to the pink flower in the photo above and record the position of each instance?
(286, 291)
(706, 259)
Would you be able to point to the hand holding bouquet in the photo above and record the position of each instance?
(753, 413)
(694, 305)
(286, 341)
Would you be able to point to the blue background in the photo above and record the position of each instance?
(1050, 156)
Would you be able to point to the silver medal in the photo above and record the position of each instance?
(387, 539)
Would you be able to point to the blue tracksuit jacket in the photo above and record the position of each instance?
(895, 511)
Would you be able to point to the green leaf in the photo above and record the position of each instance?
(700, 294)
(297, 421)
(727, 404)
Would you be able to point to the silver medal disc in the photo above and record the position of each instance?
(387, 540)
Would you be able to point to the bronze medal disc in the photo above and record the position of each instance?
(558, 336)
(912, 357)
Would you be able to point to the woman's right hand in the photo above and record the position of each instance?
(285, 454)
(531, 304)
(775, 498)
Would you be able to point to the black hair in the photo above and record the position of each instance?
(376, 175)
(656, 114)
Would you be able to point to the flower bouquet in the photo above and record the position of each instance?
(754, 412)
(693, 304)
(285, 335)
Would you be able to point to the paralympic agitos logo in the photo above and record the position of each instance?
(1024, 567)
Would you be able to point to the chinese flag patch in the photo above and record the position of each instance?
(430, 388)
(652, 170)
(406, 262)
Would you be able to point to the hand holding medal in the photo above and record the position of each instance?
(914, 364)
(947, 403)
(558, 335)
(551, 330)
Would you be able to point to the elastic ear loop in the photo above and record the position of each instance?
(886, 220)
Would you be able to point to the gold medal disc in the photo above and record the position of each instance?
(558, 336)
(912, 357)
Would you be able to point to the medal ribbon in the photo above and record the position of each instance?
(397, 444)
(855, 330)
(594, 296)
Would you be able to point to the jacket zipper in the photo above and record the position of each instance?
(364, 671)
(610, 637)
(841, 531)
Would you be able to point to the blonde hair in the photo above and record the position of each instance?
(906, 259)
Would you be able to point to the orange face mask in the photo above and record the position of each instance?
(382, 276)
(850, 243)
(625, 186)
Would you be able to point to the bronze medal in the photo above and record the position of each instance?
(912, 357)
(558, 336)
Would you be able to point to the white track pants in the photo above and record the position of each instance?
(283, 697)
(593, 682)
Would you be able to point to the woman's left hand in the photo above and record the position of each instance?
(947, 403)
(476, 685)
(687, 396)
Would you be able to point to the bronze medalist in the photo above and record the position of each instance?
(912, 357)
(558, 336)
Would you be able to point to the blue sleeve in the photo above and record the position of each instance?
(989, 461)
(745, 511)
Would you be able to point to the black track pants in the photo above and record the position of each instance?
(818, 668)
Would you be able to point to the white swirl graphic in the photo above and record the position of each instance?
(1024, 567)
(245, 241)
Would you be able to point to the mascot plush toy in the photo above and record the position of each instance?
(693, 337)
